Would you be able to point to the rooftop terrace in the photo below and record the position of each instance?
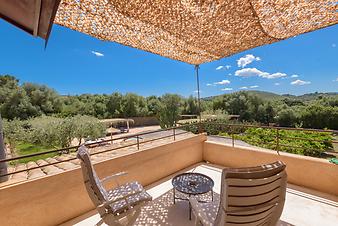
(311, 195)
(302, 207)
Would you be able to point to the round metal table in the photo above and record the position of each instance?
(192, 184)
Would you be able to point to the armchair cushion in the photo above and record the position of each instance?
(124, 190)
(130, 201)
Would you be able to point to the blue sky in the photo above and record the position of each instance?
(75, 63)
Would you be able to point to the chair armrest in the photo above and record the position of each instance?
(114, 176)
(200, 215)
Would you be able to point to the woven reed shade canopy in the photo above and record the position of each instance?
(196, 31)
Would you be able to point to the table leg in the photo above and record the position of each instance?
(189, 209)
(212, 195)
(174, 195)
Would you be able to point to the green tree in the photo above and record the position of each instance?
(44, 99)
(87, 127)
(14, 102)
(153, 105)
(318, 116)
(190, 106)
(170, 109)
(114, 105)
(286, 117)
(13, 132)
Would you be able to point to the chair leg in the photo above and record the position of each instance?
(197, 221)
(132, 217)
(110, 220)
(99, 223)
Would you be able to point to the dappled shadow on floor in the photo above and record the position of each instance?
(163, 211)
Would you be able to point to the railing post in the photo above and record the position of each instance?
(233, 139)
(174, 133)
(277, 140)
(138, 143)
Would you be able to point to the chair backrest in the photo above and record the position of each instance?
(252, 196)
(95, 189)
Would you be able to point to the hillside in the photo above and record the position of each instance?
(312, 96)
(269, 96)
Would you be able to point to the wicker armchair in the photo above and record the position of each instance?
(249, 196)
(119, 206)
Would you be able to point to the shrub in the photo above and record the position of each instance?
(53, 131)
(318, 141)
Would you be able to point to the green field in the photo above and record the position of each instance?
(23, 148)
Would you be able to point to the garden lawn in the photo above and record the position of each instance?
(23, 148)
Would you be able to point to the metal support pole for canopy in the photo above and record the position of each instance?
(198, 98)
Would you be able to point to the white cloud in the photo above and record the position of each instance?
(248, 59)
(299, 82)
(227, 89)
(196, 91)
(294, 76)
(252, 87)
(209, 84)
(334, 45)
(223, 82)
(277, 84)
(243, 87)
(223, 67)
(274, 75)
(229, 74)
(250, 72)
(335, 80)
(98, 54)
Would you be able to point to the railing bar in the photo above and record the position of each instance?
(299, 138)
(67, 160)
(113, 149)
(77, 146)
(36, 154)
(279, 127)
(38, 167)
(306, 139)
(178, 127)
(129, 145)
(146, 141)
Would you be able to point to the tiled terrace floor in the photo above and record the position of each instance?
(302, 207)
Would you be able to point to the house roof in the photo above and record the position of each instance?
(33, 16)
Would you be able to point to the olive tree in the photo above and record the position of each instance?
(87, 127)
(169, 110)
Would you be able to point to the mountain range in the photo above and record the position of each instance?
(273, 96)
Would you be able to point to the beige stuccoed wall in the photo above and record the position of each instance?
(55, 199)
(304, 171)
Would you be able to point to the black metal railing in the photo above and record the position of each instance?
(71, 149)
(234, 130)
